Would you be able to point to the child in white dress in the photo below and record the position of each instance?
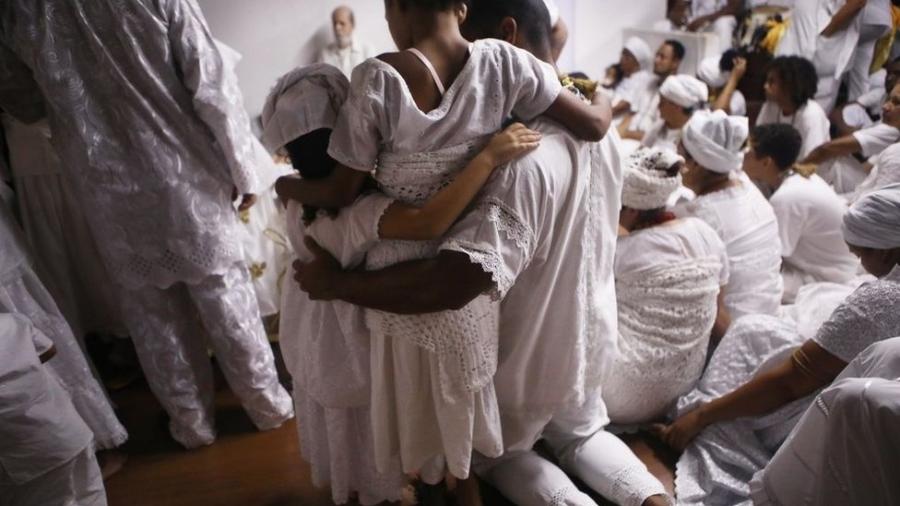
(432, 397)
(325, 344)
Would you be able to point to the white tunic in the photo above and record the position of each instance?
(437, 366)
(809, 217)
(545, 229)
(662, 137)
(810, 120)
(667, 282)
(846, 173)
(347, 58)
(746, 224)
(149, 122)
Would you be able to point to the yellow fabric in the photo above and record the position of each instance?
(884, 45)
(776, 30)
(585, 86)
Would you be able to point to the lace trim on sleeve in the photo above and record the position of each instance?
(490, 261)
(510, 224)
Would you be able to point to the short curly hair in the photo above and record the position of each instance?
(798, 77)
(778, 141)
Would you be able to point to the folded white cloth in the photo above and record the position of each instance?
(685, 90)
(715, 140)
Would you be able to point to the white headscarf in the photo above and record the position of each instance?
(715, 140)
(684, 90)
(303, 100)
(710, 73)
(641, 52)
(646, 185)
(874, 220)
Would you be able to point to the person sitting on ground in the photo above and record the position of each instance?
(679, 97)
(836, 159)
(646, 98)
(760, 379)
(635, 64)
(856, 418)
(674, 266)
(712, 144)
(790, 87)
(809, 212)
(859, 114)
(723, 76)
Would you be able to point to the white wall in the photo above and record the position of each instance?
(275, 36)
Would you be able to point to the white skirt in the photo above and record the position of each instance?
(337, 444)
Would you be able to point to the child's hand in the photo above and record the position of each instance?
(510, 144)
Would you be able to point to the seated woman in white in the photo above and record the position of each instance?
(761, 378)
(679, 96)
(845, 449)
(723, 74)
(885, 172)
(790, 87)
(668, 277)
(711, 144)
(836, 159)
(809, 212)
(636, 63)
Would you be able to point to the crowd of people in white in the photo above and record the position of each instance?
(484, 269)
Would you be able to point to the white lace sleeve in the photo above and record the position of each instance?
(360, 128)
(867, 316)
(499, 233)
(213, 87)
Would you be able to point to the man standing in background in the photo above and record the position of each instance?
(345, 52)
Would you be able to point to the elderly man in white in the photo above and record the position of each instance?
(346, 52)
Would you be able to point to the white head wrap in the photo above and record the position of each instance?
(710, 73)
(684, 90)
(715, 140)
(641, 52)
(646, 185)
(874, 220)
(303, 100)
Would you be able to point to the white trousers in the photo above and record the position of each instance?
(78, 482)
(584, 449)
(169, 328)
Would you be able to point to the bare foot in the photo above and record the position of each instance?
(658, 500)
(111, 462)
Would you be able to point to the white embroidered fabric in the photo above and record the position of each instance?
(462, 344)
(150, 123)
(666, 314)
(337, 442)
(718, 465)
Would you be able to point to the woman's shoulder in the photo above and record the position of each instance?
(376, 74)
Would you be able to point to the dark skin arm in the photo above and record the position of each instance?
(789, 381)
(843, 17)
(448, 281)
(337, 190)
(723, 321)
(47, 355)
(839, 147)
(587, 122)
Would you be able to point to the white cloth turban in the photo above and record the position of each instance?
(302, 101)
(715, 140)
(641, 52)
(874, 220)
(686, 91)
(646, 185)
(710, 73)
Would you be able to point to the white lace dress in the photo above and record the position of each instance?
(746, 224)
(718, 465)
(432, 396)
(667, 282)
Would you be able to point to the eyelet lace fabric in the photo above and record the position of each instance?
(665, 317)
(464, 343)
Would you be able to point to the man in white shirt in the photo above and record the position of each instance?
(345, 52)
(666, 63)
(835, 160)
(808, 211)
